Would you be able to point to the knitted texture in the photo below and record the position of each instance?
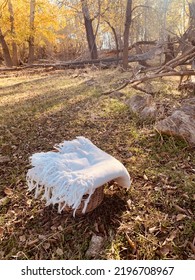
(77, 168)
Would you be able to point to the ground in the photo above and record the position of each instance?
(152, 220)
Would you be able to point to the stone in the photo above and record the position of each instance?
(181, 123)
(188, 106)
(143, 106)
(95, 246)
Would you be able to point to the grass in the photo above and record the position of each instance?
(145, 222)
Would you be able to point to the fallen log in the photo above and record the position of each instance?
(74, 64)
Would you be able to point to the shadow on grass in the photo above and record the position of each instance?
(72, 234)
(37, 123)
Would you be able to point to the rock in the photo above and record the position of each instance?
(95, 246)
(143, 106)
(188, 106)
(181, 123)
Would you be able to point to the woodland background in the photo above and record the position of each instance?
(66, 30)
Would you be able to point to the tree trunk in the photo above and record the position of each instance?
(126, 33)
(169, 53)
(115, 38)
(89, 30)
(14, 45)
(6, 53)
(32, 29)
(188, 38)
(163, 33)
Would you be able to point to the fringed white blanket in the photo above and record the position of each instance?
(77, 168)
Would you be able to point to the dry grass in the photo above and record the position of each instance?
(153, 220)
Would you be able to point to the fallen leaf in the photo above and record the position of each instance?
(180, 217)
(4, 201)
(145, 177)
(165, 250)
(1, 231)
(59, 252)
(32, 242)
(46, 245)
(129, 203)
(41, 237)
(152, 230)
(22, 238)
(53, 228)
(181, 227)
(179, 209)
(29, 202)
(138, 218)
(60, 228)
(172, 236)
(8, 191)
(185, 195)
(131, 244)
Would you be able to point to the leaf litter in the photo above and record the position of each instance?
(153, 220)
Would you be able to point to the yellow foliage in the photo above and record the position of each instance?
(49, 18)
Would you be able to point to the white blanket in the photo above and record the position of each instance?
(77, 168)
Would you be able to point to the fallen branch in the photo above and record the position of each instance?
(177, 61)
(136, 81)
(119, 88)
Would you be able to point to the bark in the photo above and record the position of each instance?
(139, 51)
(115, 38)
(169, 53)
(14, 45)
(126, 33)
(188, 38)
(6, 53)
(89, 30)
(32, 30)
(192, 13)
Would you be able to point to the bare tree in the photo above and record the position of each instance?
(32, 30)
(115, 38)
(126, 33)
(6, 53)
(14, 45)
(5, 49)
(89, 30)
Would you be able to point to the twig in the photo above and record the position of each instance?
(131, 244)
(119, 88)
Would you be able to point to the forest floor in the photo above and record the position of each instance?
(153, 220)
